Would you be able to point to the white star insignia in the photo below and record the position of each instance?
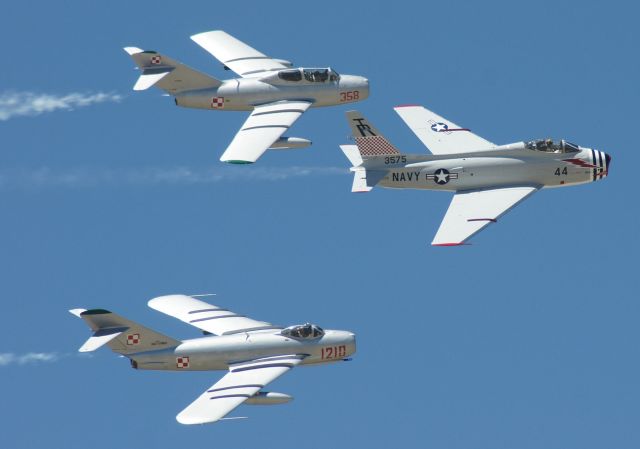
(441, 177)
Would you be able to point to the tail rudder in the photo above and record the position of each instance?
(167, 74)
(120, 334)
(370, 142)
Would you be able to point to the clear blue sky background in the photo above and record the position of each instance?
(528, 338)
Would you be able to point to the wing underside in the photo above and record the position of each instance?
(266, 124)
(440, 135)
(205, 316)
(472, 210)
(235, 54)
(243, 380)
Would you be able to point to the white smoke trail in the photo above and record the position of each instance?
(16, 104)
(45, 177)
(10, 358)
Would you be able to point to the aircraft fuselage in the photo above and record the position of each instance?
(243, 94)
(493, 168)
(217, 352)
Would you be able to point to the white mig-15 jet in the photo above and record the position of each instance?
(488, 180)
(253, 352)
(276, 93)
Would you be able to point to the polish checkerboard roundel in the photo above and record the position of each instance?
(182, 362)
(156, 60)
(217, 102)
(133, 339)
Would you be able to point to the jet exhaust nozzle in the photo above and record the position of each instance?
(268, 398)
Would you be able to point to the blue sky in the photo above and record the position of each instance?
(527, 338)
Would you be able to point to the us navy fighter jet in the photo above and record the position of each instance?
(253, 352)
(276, 93)
(488, 180)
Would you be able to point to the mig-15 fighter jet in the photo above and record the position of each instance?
(252, 352)
(275, 92)
(487, 179)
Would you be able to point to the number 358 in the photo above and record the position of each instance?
(350, 96)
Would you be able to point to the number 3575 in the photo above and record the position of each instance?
(350, 96)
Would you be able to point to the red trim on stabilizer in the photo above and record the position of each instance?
(408, 106)
(449, 244)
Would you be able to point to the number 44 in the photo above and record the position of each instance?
(563, 172)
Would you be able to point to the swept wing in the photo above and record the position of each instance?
(440, 135)
(241, 382)
(235, 54)
(205, 316)
(472, 210)
(265, 125)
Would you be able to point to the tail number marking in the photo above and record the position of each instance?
(352, 95)
(395, 160)
(334, 352)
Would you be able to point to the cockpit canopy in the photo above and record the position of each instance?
(550, 146)
(303, 331)
(309, 75)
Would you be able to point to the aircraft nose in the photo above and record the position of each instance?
(608, 159)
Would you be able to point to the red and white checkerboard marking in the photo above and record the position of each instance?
(133, 339)
(182, 362)
(156, 60)
(217, 102)
(375, 146)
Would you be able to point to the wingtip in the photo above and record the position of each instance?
(195, 37)
(185, 419)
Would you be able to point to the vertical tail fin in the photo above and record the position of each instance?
(370, 144)
(167, 74)
(120, 334)
(369, 140)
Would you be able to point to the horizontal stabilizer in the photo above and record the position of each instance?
(147, 80)
(168, 74)
(364, 180)
(120, 334)
(360, 181)
(352, 153)
(101, 337)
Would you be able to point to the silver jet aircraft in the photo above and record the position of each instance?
(253, 352)
(276, 93)
(487, 179)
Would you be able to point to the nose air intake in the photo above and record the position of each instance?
(601, 161)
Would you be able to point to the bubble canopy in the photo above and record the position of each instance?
(303, 331)
(309, 75)
(551, 146)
